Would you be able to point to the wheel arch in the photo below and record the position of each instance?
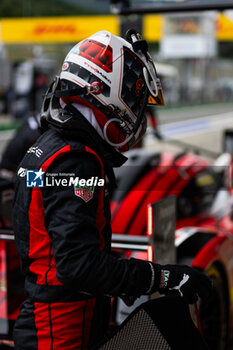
(217, 272)
(204, 249)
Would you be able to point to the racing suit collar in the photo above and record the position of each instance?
(88, 114)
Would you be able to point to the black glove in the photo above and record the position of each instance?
(185, 281)
(188, 282)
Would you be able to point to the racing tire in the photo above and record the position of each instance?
(213, 312)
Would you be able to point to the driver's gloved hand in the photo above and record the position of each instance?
(188, 282)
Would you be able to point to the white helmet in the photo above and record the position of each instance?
(114, 77)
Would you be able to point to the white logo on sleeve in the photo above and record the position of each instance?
(182, 282)
(36, 150)
(22, 172)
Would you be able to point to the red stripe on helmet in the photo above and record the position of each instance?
(97, 53)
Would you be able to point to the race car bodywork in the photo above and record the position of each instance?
(204, 223)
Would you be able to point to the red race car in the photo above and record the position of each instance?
(204, 223)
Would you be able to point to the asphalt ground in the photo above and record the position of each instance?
(196, 128)
(201, 126)
(175, 114)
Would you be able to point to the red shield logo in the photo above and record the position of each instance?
(84, 192)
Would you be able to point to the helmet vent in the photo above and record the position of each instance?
(133, 72)
(89, 77)
(97, 53)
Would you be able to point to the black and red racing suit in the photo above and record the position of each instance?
(63, 237)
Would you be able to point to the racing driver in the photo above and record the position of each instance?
(93, 111)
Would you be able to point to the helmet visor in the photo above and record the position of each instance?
(153, 84)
